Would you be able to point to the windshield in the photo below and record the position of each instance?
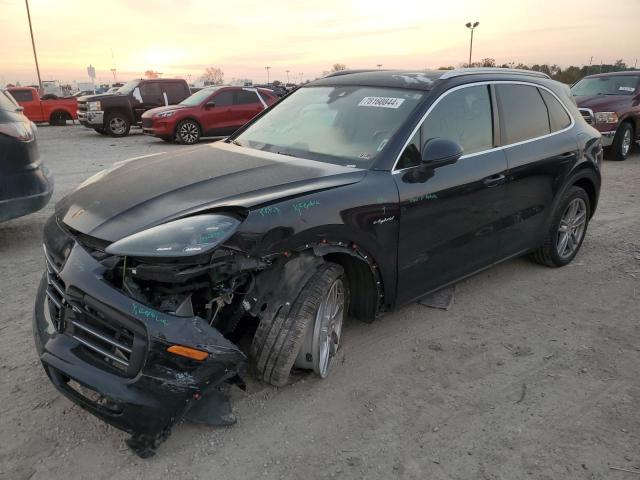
(128, 87)
(347, 125)
(614, 85)
(198, 97)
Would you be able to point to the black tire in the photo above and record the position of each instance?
(59, 118)
(548, 254)
(188, 132)
(168, 139)
(277, 341)
(117, 125)
(618, 150)
(101, 130)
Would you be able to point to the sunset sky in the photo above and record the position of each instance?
(241, 37)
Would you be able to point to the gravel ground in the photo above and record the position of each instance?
(533, 373)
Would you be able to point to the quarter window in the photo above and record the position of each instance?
(463, 116)
(558, 116)
(523, 113)
(22, 95)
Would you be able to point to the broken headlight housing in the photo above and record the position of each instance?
(181, 238)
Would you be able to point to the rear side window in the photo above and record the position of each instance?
(558, 116)
(463, 116)
(244, 97)
(176, 92)
(22, 95)
(151, 93)
(523, 113)
(224, 99)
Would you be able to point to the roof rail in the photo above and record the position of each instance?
(347, 72)
(507, 71)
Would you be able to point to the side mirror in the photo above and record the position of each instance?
(440, 151)
(210, 104)
(19, 109)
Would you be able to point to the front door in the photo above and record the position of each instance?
(216, 118)
(451, 216)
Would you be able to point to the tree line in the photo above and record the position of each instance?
(568, 75)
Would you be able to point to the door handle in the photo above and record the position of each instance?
(494, 180)
(565, 157)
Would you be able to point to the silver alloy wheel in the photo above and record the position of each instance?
(327, 328)
(189, 132)
(572, 228)
(117, 126)
(626, 142)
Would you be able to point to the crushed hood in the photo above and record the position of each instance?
(147, 191)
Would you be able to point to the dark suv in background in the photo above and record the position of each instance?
(114, 113)
(611, 103)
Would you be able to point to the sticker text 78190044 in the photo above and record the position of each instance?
(381, 102)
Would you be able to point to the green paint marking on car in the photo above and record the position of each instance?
(300, 206)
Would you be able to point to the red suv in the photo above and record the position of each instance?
(210, 112)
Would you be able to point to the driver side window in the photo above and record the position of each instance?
(463, 116)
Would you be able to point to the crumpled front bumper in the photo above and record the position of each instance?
(142, 391)
(91, 118)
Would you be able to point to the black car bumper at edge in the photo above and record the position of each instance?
(25, 191)
(108, 353)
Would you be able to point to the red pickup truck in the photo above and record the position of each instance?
(56, 111)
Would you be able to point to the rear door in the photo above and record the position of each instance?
(247, 105)
(540, 152)
(175, 92)
(450, 216)
(152, 97)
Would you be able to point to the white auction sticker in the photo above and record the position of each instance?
(382, 102)
(627, 89)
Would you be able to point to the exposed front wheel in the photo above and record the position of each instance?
(188, 132)
(622, 142)
(309, 335)
(567, 230)
(117, 125)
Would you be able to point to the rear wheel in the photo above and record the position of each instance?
(188, 132)
(622, 142)
(567, 230)
(59, 118)
(309, 334)
(117, 125)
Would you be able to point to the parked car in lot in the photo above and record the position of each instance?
(26, 184)
(54, 110)
(356, 194)
(114, 113)
(611, 103)
(212, 111)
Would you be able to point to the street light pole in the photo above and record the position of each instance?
(267, 69)
(471, 26)
(33, 44)
(287, 75)
(379, 66)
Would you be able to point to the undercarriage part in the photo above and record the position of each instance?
(212, 409)
(279, 338)
(145, 445)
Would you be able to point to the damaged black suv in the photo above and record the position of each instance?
(356, 194)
